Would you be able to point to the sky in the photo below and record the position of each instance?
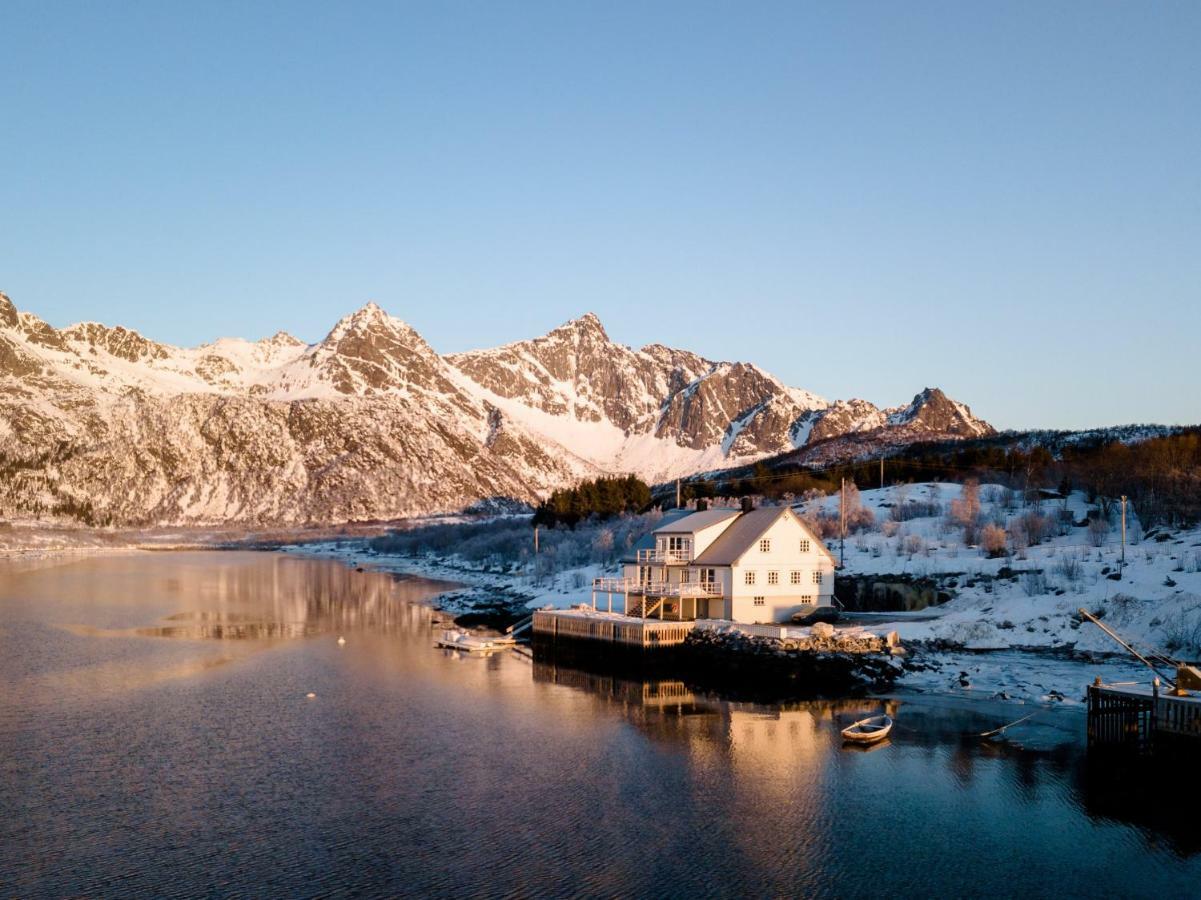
(1001, 199)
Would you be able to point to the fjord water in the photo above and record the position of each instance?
(156, 738)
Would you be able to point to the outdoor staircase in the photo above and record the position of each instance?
(522, 625)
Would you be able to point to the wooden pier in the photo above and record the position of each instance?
(1142, 719)
(596, 625)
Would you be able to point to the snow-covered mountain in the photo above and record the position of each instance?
(101, 424)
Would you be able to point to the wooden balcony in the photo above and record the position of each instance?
(656, 588)
(664, 557)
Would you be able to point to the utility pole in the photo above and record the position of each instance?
(535, 540)
(842, 523)
(881, 473)
(677, 493)
(1122, 565)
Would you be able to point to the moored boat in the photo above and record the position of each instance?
(868, 731)
(456, 639)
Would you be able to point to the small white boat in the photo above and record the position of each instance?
(456, 639)
(868, 731)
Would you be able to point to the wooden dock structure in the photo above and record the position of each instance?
(1142, 718)
(614, 628)
(634, 631)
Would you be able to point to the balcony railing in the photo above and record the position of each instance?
(657, 588)
(665, 557)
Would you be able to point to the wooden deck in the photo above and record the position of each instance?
(596, 625)
(1138, 717)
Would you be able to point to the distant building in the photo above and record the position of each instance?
(752, 566)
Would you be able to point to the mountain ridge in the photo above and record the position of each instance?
(371, 422)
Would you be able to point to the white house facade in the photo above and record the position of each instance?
(750, 566)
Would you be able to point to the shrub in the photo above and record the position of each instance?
(1037, 527)
(1182, 631)
(992, 540)
(965, 510)
(1069, 567)
(905, 510)
(1034, 583)
(1098, 528)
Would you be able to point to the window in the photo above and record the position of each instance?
(750, 577)
(794, 577)
(760, 601)
(708, 576)
(805, 546)
(817, 577)
(807, 598)
(765, 546)
(773, 577)
(679, 546)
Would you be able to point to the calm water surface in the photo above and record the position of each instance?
(155, 738)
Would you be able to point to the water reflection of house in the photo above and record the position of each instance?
(749, 565)
(758, 741)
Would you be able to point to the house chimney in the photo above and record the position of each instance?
(747, 504)
(702, 505)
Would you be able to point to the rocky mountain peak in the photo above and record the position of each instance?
(585, 328)
(934, 411)
(370, 351)
(282, 339)
(123, 343)
(8, 312)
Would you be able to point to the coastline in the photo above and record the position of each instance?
(1044, 677)
(1015, 677)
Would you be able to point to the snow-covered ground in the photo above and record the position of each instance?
(1030, 596)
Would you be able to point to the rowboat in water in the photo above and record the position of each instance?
(868, 731)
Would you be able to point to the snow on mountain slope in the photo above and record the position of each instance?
(663, 411)
(100, 423)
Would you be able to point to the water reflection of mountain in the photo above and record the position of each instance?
(293, 598)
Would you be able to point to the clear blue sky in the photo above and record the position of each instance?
(1002, 199)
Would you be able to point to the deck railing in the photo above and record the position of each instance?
(665, 557)
(656, 588)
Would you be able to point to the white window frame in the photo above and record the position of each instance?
(773, 577)
(794, 577)
(765, 545)
(806, 546)
(818, 576)
(759, 601)
(749, 577)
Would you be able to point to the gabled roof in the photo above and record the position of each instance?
(743, 534)
(697, 521)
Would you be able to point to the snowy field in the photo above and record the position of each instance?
(1028, 597)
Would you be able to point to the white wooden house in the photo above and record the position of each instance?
(752, 566)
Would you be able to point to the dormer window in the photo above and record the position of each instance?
(765, 546)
